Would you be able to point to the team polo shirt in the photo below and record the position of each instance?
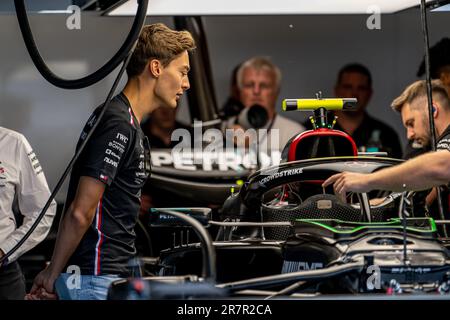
(118, 155)
(444, 140)
(444, 144)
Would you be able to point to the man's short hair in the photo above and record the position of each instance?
(259, 63)
(157, 41)
(354, 68)
(418, 90)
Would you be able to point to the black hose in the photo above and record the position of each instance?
(423, 19)
(71, 163)
(88, 80)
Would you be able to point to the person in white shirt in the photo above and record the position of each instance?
(258, 81)
(23, 193)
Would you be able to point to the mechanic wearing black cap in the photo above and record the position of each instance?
(96, 234)
(422, 172)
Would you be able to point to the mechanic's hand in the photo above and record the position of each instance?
(348, 182)
(43, 287)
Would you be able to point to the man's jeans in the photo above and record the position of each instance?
(86, 287)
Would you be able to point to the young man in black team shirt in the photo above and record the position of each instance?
(423, 172)
(96, 233)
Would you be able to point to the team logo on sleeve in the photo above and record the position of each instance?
(103, 178)
(122, 137)
(35, 162)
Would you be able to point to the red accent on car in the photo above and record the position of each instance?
(321, 132)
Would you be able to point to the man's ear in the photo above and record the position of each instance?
(436, 108)
(155, 67)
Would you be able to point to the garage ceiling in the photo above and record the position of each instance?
(264, 7)
(226, 7)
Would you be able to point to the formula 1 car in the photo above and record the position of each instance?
(284, 235)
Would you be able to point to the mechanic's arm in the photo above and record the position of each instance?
(420, 173)
(72, 228)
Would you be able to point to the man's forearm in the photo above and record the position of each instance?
(423, 172)
(70, 233)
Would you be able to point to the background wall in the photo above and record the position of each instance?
(309, 50)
